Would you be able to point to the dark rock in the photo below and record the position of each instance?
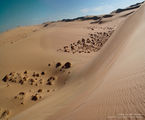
(58, 64)
(49, 83)
(72, 47)
(10, 79)
(11, 73)
(37, 75)
(67, 65)
(83, 40)
(25, 72)
(51, 78)
(21, 82)
(40, 90)
(24, 78)
(34, 74)
(21, 93)
(34, 98)
(22, 103)
(31, 80)
(48, 90)
(5, 78)
(15, 97)
(43, 73)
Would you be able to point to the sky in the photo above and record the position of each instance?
(15, 13)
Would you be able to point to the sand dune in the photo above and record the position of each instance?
(75, 69)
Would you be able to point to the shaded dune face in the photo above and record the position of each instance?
(81, 69)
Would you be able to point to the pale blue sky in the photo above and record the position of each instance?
(15, 13)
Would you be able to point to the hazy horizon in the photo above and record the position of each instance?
(15, 13)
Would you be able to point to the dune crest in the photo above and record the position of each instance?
(85, 68)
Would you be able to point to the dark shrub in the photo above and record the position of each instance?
(58, 64)
(5, 78)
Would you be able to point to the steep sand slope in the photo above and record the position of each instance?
(114, 83)
(26, 53)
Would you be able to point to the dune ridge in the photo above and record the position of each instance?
(96, 74)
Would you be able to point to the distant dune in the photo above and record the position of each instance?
(86, 68)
